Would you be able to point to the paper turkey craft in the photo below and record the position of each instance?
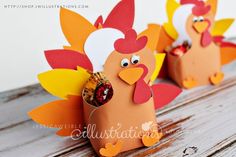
(109, 48)
(198, 49)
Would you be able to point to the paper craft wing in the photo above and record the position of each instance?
(66, 115)
(164, 94)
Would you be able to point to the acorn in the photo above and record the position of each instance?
(98, 90)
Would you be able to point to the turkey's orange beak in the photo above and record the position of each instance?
(201, 27)
(131, 75)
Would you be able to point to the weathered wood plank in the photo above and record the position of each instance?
(204, 126)
(227, 145)
(28, 138)
(229, 151)
(14, 105)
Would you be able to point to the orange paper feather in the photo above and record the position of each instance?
(67, 115)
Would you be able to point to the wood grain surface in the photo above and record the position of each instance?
(200, 122)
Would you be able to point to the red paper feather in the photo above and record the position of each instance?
(99, 22)
(121, 17)
(163, 94)
(67, 59)
(220, 40)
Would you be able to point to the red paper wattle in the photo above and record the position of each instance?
(206, 39)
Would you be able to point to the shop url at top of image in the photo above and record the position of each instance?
(44, 6)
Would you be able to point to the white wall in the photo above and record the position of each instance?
(26, 33)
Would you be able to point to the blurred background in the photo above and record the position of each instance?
(26, 31)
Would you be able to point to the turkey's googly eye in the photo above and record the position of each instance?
(135, 59)
(201, 19)
(195, 19)
(124, 62)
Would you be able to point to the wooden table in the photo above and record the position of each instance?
(200, 122)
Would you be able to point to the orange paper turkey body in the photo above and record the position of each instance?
(123, 113)
(130, 113)
(201, 64)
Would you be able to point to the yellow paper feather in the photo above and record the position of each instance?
(171, 7)
(64, 82)
(221, 26)
(160, 57)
